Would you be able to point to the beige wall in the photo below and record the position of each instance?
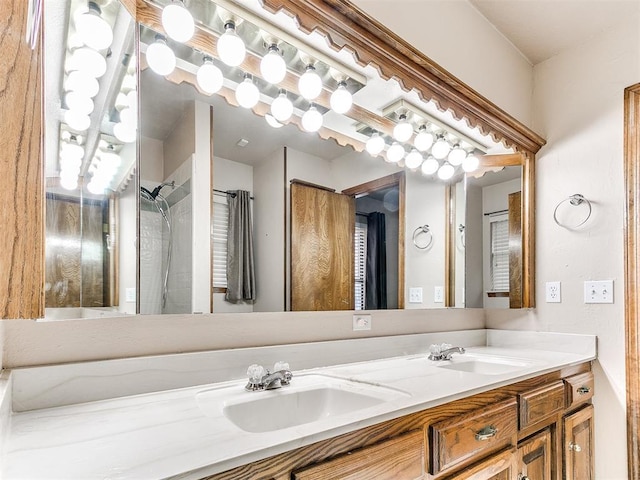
(180, 144)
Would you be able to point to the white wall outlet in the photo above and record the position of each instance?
(438, 294)
(130, 294)
(598, 291)
(552, 292)
(415, 295)
(361, 322)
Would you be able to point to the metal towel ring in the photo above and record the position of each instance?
(575, 200)
(419, 230)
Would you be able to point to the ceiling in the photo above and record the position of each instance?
(541, 29)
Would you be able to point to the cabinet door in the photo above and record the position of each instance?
(501, 466)
(535, 457)
(578, 445)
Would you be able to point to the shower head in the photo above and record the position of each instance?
(154, 193)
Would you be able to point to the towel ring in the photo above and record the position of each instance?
(418, 231)
(574, 200)
(461, 229)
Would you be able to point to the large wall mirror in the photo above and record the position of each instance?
(254, 193)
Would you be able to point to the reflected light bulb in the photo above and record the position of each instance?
(124, 132)
(395, 153)
(446, 171)
(209, 77)
(71, 151)
(282, 108)
(375, 144)
(457, 155)
(430, 166)
(414, 159)
(82, 83)
(247, 94)
(178, 22)
(272, 121)
(403, 130)
(470, 163)
(79, 103)
(341, 99)
(87, 60)
(77, 121)
(231, 48)
(69, 183)
(423, 140)
(94, 31)
(272, 66)
(95, 187)
(310, 83)
(441, 148)
(312, 119)
(160, 57)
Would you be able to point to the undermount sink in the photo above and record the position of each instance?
(309, 398)
(485, 365)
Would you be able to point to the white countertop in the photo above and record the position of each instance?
(167, 434)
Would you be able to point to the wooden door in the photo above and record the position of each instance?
(500, 466)
(535, 457)
(322, 259)
(578, 445)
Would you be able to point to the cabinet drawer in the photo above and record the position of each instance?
(400, 458)
(579, 388)
(456, 440)
(541, 403)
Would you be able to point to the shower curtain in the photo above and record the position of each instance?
(376, 276)
(241, 281)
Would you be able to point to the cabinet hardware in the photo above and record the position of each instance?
(575, 447)
(486, 433)
(522, 477)
(583, 390)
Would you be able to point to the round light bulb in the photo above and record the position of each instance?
(247, 94)
(132, 99)
(209, 77)
(128, 83)
(178, 22)
(446, 171)
(403, 130)
(423, 140)
(414, 159)
(470, 163)
(430, 166)
(70, 164)
(231, 48)
(128, 116)
(312, 119)
(71, 151)
(282, 108)
(77, 121)
(160, 57)
(272, 66)
(395, 153)
(441, 148)
(79, 103)
(82, 83)
(341, 99)
(69, 183)
(110, 161)
(272, 121)
(95, 187)
(375, 144)
(310, 83)
(457, 155)
(94, 31)
(125, 133)
(87, 60)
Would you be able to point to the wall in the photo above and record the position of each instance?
(578, 102)
(180, 144)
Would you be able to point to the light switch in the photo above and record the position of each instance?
(598, 291)
(415, 295)
(438, 294)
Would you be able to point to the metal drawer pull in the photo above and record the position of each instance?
(575, 447)
(522, 477)
(583, 390)
(486, 433)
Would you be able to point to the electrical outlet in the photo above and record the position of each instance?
(438, 294)
(552, 292)
(415, 295)
(130, 294)
(361, 322)
(598, 291)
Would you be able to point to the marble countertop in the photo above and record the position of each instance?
(168, 434)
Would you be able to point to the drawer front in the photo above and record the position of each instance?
(541, 403)
(579, 388)
(474, 434)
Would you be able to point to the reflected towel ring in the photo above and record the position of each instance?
(419, 230)
(574, 200)
(461, 228)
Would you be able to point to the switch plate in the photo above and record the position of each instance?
(130, 294)
(438, 294)
(415, 295)
(600, 291)
(361, 322)
(553, 292)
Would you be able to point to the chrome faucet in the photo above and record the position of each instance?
(261, 379)
(444, 351)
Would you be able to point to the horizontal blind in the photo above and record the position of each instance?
(500, 256)
(361, 261)
(220, 231)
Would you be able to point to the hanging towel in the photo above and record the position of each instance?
(241, 279)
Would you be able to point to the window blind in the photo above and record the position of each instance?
(220, 230)
(360, 255)
(500, 256)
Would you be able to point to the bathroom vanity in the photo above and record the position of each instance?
(514, 403)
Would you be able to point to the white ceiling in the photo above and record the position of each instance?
(541, 29)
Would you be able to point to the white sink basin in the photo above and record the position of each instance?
(484, 365)
(309, 398)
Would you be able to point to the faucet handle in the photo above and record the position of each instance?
(281, 366)
(255, 373)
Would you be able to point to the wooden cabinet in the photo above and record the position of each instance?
(535, 457)
(577, 440)
(500, 466)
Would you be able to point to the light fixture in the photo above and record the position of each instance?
(71, 152)
(430, 166)
(124, 132)
(312, 119)
(423, 140)
(79, 103)
(341, 99)
(441, 148)
(82, 83)
(247, 94)
(77, 121)
(231, 48)
(178, 22)
(281, 107)
(395, 153)
(470, 163)
(160, 57)
(209, 77)
(272, 121)
(403, 130)
(87, 60)
(375, 144)
(272, 66)
(94, 31)
(457, 155)
(129, 116)
(95, 187)
(69, 182)
(414, 159)
(310, 83)
(446, 171)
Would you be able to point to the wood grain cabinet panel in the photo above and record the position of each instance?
(541, 403)
(578, 445)
(579, 388)
(500, 466)
(463, 437)
(400, 458)
(535, 457)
